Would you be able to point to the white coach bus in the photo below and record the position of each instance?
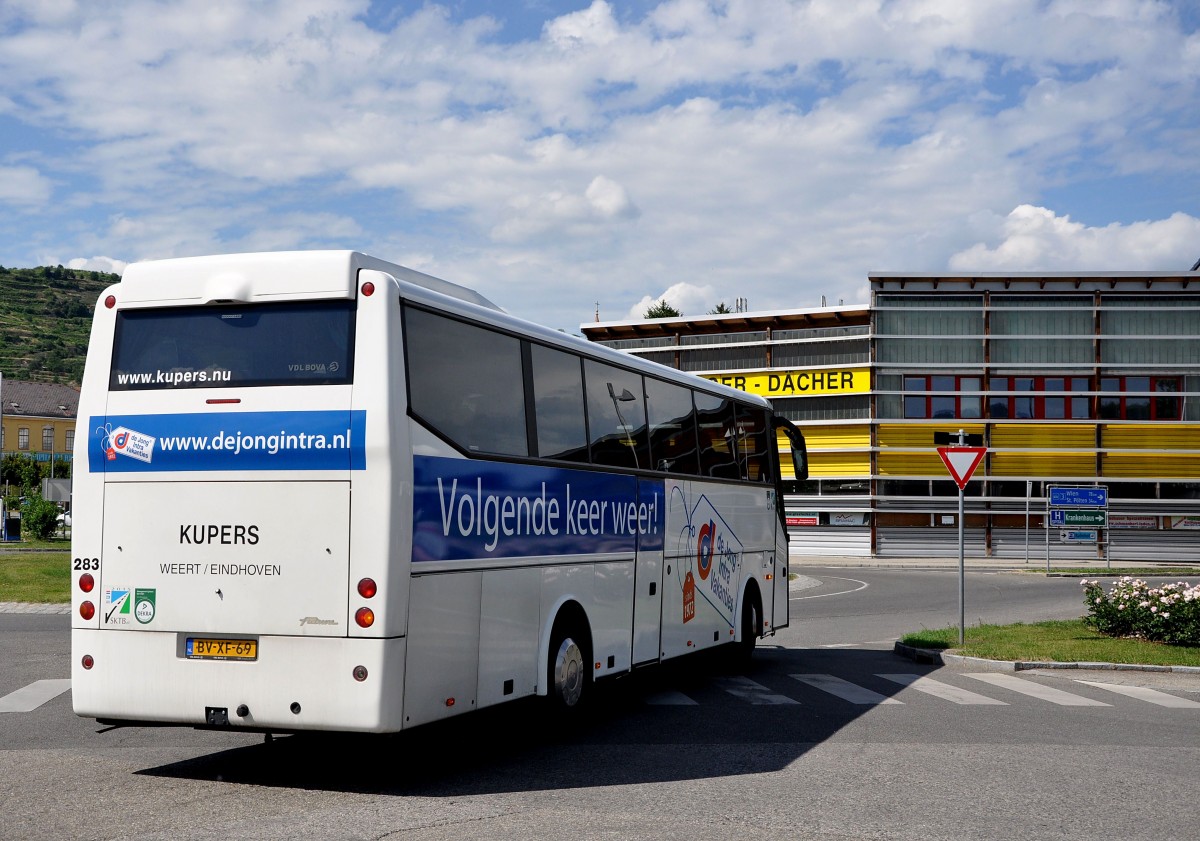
(315, 490)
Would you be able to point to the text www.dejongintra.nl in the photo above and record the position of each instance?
(270, 444)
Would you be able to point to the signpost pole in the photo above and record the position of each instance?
(1046, 525)
(961, 460)
(1028, 494)
(962, 575)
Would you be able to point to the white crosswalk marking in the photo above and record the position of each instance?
(29, 698)
(845, 690)
(755, 693)
(749, 691)
(1035, 690)
(670, 698)
(942, 690)
(1152, 696)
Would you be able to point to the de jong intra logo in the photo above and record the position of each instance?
(126, 442)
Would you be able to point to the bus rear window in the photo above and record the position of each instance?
(303, 343)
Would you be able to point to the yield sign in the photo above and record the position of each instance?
(961, 462)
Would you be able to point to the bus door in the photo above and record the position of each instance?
(648, 578)
(799, 454)
(779, 593)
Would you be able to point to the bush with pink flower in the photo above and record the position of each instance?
(1169, 613)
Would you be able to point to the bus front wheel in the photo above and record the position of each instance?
(751, 625)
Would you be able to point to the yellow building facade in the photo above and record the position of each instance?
(38, 419)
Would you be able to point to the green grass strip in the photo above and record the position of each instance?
(1063, 641)
(40, 577)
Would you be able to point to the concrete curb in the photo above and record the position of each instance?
(33, 607)
(945, 658)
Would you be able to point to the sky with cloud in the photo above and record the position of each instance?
(566, 156)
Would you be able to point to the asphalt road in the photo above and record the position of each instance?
(674, 753)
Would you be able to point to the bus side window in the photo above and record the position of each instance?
(466, 383)
(718, 445)
(753, 443)
(558, 404)
(672, 419)
(616, 407)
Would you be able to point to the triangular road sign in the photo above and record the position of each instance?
(961, 462)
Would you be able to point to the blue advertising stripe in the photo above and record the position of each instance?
(211, 441)
(465, 509)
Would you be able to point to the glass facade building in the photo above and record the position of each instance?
(1070, 380)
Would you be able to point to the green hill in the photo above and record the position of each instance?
(45, 319)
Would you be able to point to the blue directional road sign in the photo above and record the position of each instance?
(1079, 497)
(1078, 536)
(1074, 517)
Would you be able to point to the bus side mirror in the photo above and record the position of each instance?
(799, 450)
(800, 459)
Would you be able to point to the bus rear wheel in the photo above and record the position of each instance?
(568, 674)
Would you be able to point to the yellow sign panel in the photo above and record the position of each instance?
(799, 383)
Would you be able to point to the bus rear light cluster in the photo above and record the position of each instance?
(87, 610)
(86, 582)
(364, 616)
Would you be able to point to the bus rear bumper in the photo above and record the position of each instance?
(295, 683)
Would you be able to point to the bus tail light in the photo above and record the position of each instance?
(87, 662)
(360, 673)
(86, 582)
(365, 617)
(367, 588)
(87, 610)
(110, 302)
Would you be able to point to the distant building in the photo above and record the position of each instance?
(38, 419)
(1081, 379)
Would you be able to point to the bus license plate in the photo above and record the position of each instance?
(205, 648)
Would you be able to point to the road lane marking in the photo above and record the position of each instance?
(1152, 696)
(670, 698)
(1035, 690)
(845, 690)
(863, 585)
(29, 698)
(755, 693)
(942, 690)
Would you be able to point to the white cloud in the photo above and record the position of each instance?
(97, 264)
(593, 26)
(688, 298)
(23, 186)
(1036, 239)
(609, 199)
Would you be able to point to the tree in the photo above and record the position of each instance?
(21, 470)
(661, 309)
(39, 517)
(720, 309)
